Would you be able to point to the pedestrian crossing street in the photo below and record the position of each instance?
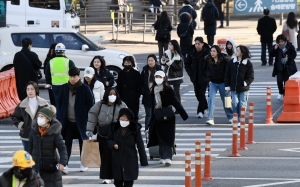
(154, 174)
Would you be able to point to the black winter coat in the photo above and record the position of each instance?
(185, 25)
(83, 102)
(34, 180)
(239, 76)
(290, 65)
(129, 88)
(266, 27)
(216, 72)
(44, 148)
(218, 4)
(168, 27)
(195, 65)
(22, 117)
(164, 132)
(144, 85)
(103, 76)
(210, 29)
(125, 158)
(24, 71)
(189, 9)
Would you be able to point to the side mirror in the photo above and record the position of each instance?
(85, 47)
(82, 4)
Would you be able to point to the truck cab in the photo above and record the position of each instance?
(42, 13)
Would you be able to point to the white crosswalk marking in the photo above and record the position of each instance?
(152, 175)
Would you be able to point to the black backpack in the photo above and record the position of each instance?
(209, 16)
(163, 32)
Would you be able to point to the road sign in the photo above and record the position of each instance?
(257, 6)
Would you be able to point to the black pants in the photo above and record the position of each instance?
(200, 95)
(105, 155)
(210, 39)
(162, 47)
(176, 89)
(118, 183)
(51, 97)
(71, 132)
(263, 53)
(282, 77)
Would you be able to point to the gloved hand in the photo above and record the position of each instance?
(89, 133)
(283, 60)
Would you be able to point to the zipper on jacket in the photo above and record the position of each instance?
(107, 114)
(237, 72)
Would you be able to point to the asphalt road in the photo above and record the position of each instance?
(272, 161)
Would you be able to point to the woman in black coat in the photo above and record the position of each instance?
(284, 66)
(129, 86)
(44, 139)
(147, 78)
(124, 137)
(162, 133)
(163, 34)
(185, 32)
(218, 4)
(50, 55)
(101, 73)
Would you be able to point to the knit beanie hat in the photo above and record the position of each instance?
(127, 112)
(48, 111)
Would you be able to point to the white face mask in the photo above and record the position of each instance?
(41, 121)
(112, 98)
(124, 123)
(159, 80)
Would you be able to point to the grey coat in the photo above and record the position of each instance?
(22, 116)
(101, 115)
(44, 148)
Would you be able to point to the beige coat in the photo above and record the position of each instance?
(293, 34)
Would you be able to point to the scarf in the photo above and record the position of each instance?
(43, 131)
(73, 88)
(123, 130)
(157, 90)
(151, 75)
(282, 46)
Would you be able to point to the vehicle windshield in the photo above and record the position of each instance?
(90, 42)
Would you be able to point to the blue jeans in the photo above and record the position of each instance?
(56, 90)
(213, 89)
(165, 152)
(239, 100)
(25, 145)
(148, 111)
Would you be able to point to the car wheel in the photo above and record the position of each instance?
(114, 71)
(7, 68)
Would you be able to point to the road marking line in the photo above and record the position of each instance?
(274, 183)
(272, 158)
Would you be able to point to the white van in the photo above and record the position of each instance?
(41, 13)
(78, 48)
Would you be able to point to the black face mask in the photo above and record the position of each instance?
(127, 67)
(22, 174)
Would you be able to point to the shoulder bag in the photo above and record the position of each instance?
(38, 72)
(182, 35)
(103, 130)
(164, 114)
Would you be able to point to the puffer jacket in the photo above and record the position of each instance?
(34, 180)
(44, 148)
(216, 71)
(239, 75)
(97, 89)
(101, 115)
(22, 116)
(173, 67)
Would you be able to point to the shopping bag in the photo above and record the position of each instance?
(227, 101)
(90, 156)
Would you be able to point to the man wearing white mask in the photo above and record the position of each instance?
(102, 115)
(162, 124)
(75, 100)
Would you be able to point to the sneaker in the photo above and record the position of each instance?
(221, 26)
(106, 181)
(239, 125)
(82, 168)
(65, 171)
(200, 115)
(230, 121)
(280, 97)
(162, 161)
(210, 122)
(168, 162)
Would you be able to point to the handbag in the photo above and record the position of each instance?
(38, 72)
(90, 154)
(286, 33)
(227, 101)
(164, 114)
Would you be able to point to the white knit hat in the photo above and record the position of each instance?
(160, 73)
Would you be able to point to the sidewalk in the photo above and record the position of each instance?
(243, 32)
